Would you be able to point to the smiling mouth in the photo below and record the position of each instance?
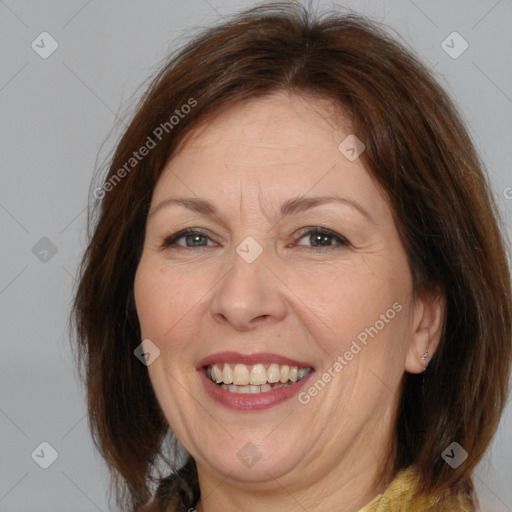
(256, 378)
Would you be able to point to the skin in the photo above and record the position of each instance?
(301, 298)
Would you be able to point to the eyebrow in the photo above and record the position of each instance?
(289, 207)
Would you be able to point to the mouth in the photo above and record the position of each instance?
(255, 378)
(252, 382)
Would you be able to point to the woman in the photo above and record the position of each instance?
(294, 225)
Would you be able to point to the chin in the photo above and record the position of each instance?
(254, 461)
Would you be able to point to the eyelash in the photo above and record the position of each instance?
(170, 240)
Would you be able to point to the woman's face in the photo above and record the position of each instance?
(254, 291)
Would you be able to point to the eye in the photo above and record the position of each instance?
(324, 238)
(318, 237)
(192, 238)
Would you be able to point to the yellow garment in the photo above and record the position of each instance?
(398, 497)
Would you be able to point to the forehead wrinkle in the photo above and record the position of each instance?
(267, 211)
(241, 189)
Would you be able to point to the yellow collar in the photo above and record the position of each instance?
(399, 497)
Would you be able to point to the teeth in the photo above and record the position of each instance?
(301, 373)
(273, 373)
(255, 379)
(227, 374)
(240, 375)
(285, 371)
(258, 375)
(216, 374)
(252, 389)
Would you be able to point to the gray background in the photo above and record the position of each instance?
(57, 112)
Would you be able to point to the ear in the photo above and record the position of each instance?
(426, 329)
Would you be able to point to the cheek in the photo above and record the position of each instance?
(162, 299)
(348, 302)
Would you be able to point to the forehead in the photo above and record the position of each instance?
(283, 143)
(280, 125)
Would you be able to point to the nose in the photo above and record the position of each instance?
(249, 294)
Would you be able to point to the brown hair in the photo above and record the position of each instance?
(417, 150)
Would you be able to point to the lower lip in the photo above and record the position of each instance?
(251, 401)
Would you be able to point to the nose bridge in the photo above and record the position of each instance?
(249, 291)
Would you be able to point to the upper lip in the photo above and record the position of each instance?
(250, 359)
